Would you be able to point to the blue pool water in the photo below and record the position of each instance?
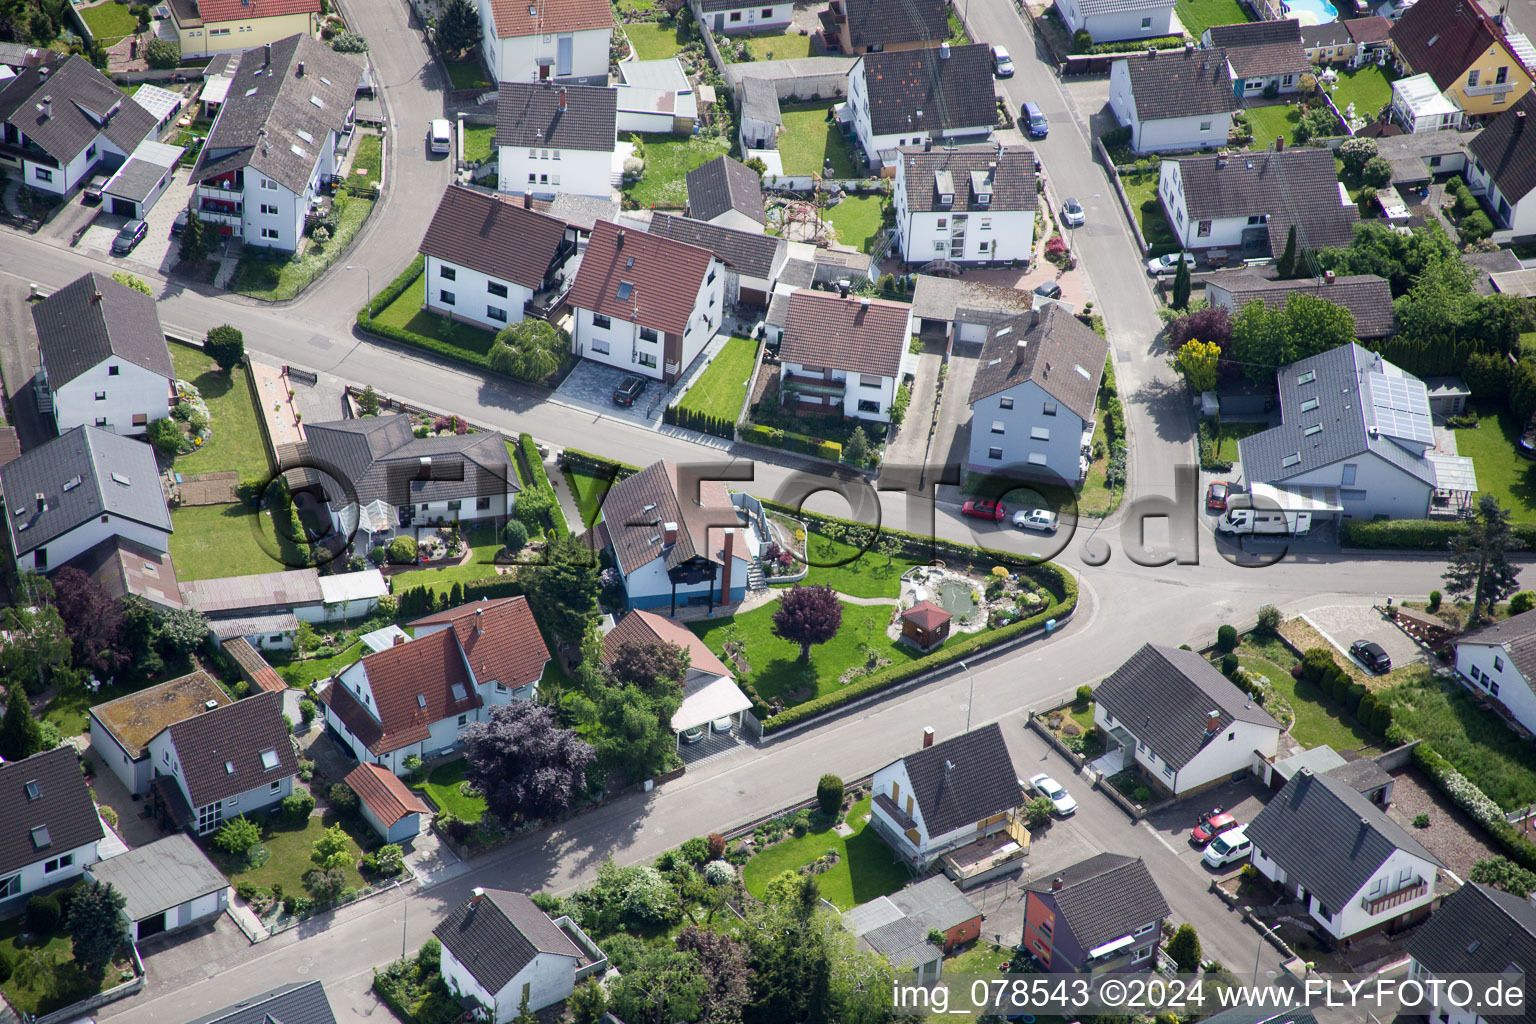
(1312, 12)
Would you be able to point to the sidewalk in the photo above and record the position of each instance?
(563, 494)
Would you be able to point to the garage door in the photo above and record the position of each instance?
(151, 926)
(125, 208)
(754, 297)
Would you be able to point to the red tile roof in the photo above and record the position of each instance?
(1443, 38)
(648, 627)
(385, 795)
(926, 615)
(246, 10)
(500, 640)
(664, 277)
(512, 17)
(1374, 29)
(413, 685)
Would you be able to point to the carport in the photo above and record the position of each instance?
(139, 183)
(1322, 502)
(708, 700)
(1455, 484)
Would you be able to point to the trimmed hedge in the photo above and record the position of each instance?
(773, 437)
(540, 481)
(718, 426)
(1209, 460)
(1139, 45)
(578, 459)
(1476, 803)
(1419, 534)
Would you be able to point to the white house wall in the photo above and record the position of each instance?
(750, 18)
(625, 348)
(581, 172)
(132, 391)
(1109, 28)
(1519, 216)
(1342, 922)
(1164, 133)
(1061, 448)
(1380, 488)
(134, 775)
(34, 877)
(648, 586)
(87, 535)
(1224, 232)
(989, 236)
(1228, 754)
(515, 59)
(472, 297)
(1514, 690)
(459, 981)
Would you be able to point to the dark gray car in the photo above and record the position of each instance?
(131, 235)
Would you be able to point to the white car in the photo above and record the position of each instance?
(1168, 264)
(1073, 214)
(722, 725)
(1059, 797)
(1002, 64)
(1042, 519)
(1228, 848)
(439, 136)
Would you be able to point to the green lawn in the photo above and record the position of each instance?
(484, 543)
(1476, 742)
(1142, 193)
(290, 848)
(779, 46)
(278, 279)
(865, 870)
(1230, 434)
(1368, 88)
(1094, 496)
(69, 983)
(722, 388)
(588, 489)
(299, 674)
(479, 142)
(654, 41)
(776, 666)
(238, 443)
(443, 787)
(1268, 122)
(1199, 15)
(668, 159)
(1500, 469)
(860, 575)
(467, 74)
(370, 158)
(222, 540)
(1319, 719)
(982, 957)
(958, 36)
(857, 220)
(807, 140)
(109, 22)
(409, 313)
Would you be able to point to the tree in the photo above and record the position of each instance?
(37, 967)
(93, 619)
(1266, 339)
(563, 589)
(332, 849)
(402, 550)
(38, 653)
(1038, 811)
(237, 835)
(635, 735)
(650, 666)
(1210, 323)
(1196, 361)
(829, 794)
(325, 884)
(514, 536)
(1380, 250)
(856, 450)
(1181, 286)
(723, 966)
(20, 736)
(1480, 559)
(226, 345)
(368, 402)
(806, 616)
(658, 986)
(588, 1003)
(96, 925)
(194, 240)
(182, 632)
(528, 350)
(1377, 172)
(165, 435)
(349, 42)
(127, 280)
(1184, 948)
(1503, 873)
(162, 54)
(526, 767)
(1286, 268)
(1355, 152)
(458, 27)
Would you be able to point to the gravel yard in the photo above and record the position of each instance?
(1451, 836)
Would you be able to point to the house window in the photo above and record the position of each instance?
(600, 347)
(1037, 459)
(995, 453)
(1005, 403)
(112, 371)
(986, 223)
(1205, 126)
(648, 359)
(1498, 663)
(1501, 76)
(1039, 433)
(735, 16)
(209, 817)
(998, 427)
(868, 405)
(140, 419)
(1288, 80)
(1348, 478)
(1144, 929)
(1168, 771)
(767, 12)
(482, 504)
(90, 152)
(40, 558)
(101, 396)
(647, 334)
(1050, 408)
(270, 186)
(10, 886)
(269, 209)
(42, 174)
(938, 247)
(498, 290)
(496, 313)
(446, 297)
(448, 273)
(598, 320)
(101, 421)
(49, 867)
(1204, 230)
(270, 233)
(943, 223)
(1141, 954)
(711, 278)
(275, 787)
(1434, 161)
(455, 505)
(1146, 23)
(1472, 78)
(463, 720)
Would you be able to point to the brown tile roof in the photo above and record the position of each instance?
(882, 23)
(1507, 148)
(1366, 296)
(1270, 59)
(1374, 29)
(385, 795)
(253, 666)
(1180, 84)
(1443, 38)
(494, 235)
(1255, 33)
(1297, 186)
(363, 725)
(1010, 170)
(926, 615)
(59, 818)
(499, 639)
(10, 445)
(427, 668)
(213, 11)
(512, 17)
(221, 750)
(136, 719)
(640, 505)
(1049, 346)
(124, 567)
(664, 278)
(860, 335)
(953, 90)
(648, 627)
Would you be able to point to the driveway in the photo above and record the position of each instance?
(910, 446)
(1242, 799)
(590, 386)
(1343, 624)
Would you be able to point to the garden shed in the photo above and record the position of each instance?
(392, 810)
(925, 625)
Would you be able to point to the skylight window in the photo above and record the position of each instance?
(301, 133)
(1316, 428)
(71, 483)
(625, 291)
(459, 693)
(1292, 459)
(251, 91)
(41, 840)
(1306, 378)
(229, 767)
(318, 102)
(421, 700)
(32, 791)
(120, 478)
(327, 81)
(298, 151)
(1081, 372)
(1309, 405)
(268, 760)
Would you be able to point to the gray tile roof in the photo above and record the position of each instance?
(1164, 696)
(760, 100)
(493, 234)
(723, 185)
(1009, 170)
(903, 942)
(746, 252)
(1268, 1015)
(298, 1002)
(529, 114)
(651, 497)
(501, 935)
(1297, 186)
(117, 475)
(381, 457)
(1363, 775)
(1254, 33)
(277, 115)
(63, 808)
(982, 783)
(952, 92)
(1517, 635)
(1508, 151)
(1049, 346)
(1367, 297)
(1104, 897)
(1329, 838)
(935, 903)
(1477, 930)
(92, 319)
(1092, 7)
(1180, 83)
(234, 736)
(882, 23)
(83, 104)
(1342, 391)
(162, 875)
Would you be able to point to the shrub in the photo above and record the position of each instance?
(296, 807)
(1269, 620)
(829, 794)
(1141, 794)
(5, 968)
(1475, 227)
(403, 549)
(1377, 172)
(514, 536)
(237, 835)
(108, 815)
(1226, 638)
(349, 42)
(165, 435)
(1353, 696)
(1228, 664)
(343, 798)
(1434, 600)
(1082, 41)
(695, 850)
(43, 915)
(306, 711)
(715, 845)
(1084, 695)
(1421, 821)
(1522, 602)
(388, 860)
(1038, 811)
(162, 54)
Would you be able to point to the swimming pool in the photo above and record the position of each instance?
(1311, 12)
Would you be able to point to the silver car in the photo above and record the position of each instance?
(1042, 519)
(1055, 792)
(1160, 265)
(1072, 214)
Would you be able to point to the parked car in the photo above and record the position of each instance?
(1211, 824)
(629, 389)
(1048, 787)
(1162, 265)
(439, 135)
(1372, 654)
(1032, 120)
(179, 225)
(1042, 519)
(1228, 848)
(1216, 496)
(721, 725)
(1073, 214)
(1050, 290)
(694, 735)
(993, 510)
(131, 235)
(1002, 64)
(91, 194)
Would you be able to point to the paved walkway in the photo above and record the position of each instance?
(277, 405)
(910, 445)
(564, 495)
(12, 199)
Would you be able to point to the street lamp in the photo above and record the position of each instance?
(368, 284)
(971, 700)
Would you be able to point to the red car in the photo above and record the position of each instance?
(1216, 496)
(1211, 825)
(992, 510)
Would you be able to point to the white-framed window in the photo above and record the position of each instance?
(269, 209)
(271, 233)
(1141, 954)
(998, 427)
(42, 174)
(1498, 663)
(49, 867)
(101, 396)
(1144, 929)
(1039, 433)
(1205, 126)
(446, 297)
(995, 453)
(496, 313)
(647, 359)
(1005, 403)
(600, 347)
(1037, 459)
(463, 720)
(269, 184)
(648, 334)
(1049, 408)
(10, 886)
(1146, 23)
(448, 273)
(1204, 230)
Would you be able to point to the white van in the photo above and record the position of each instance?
(439, 136)
(1228, 848)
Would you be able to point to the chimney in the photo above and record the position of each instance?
(1189, 48)
(301, 69)
(527, 200)
(864, 301)
(95, 298)
(424, 468)
(620, 243)
(842, 289)
(562, 99)
(268, 54)
(944, 51)
(1020, 347)
(1047, 372)
(1328, 276)
(927, 736)
(668, 534)
(730, 554)
(1279, 143)
(1057, 883)
(479, 621)
(477, 894)
(42, 500)
(398, 640)
(47, 107)
(1212, 722)
(1221, 158)
(1151, 53)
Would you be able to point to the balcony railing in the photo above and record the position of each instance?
(1494, 89)
(228, 195)
(1407, 894)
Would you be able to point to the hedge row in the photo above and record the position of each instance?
(1209, 460)
(1139, 45)
(1109, 401)
(773, 437)
(540, 481)
(1465, 794)
(578, 459)
(1419, 534)
(396, 288)
(490, 588)
(719, 426)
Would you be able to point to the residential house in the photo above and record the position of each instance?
(1504, 166)
(1173, 101)
(844, 356)
(122, 729)
(898, 926)
(232, 760)
(873, 26)
(206, 27)
(1355, 441)
(1033, 397)
(62, 121)
(417, 696)
(913, 97)
(274, 144)
(1249, 201)
(451, 478)
(709, 691)
(565, 39)
(744, 16)
(1367, 297)
(104, 357)
(51, 825)
(1355, 42)
(1264, 57)
(123, 567)
(298, 1002)
(1497, 664)
(1477, 930)
(761, 120)
(966, 204)
(502, 951)
(488, 257)
(945, 795)
(1356, 869)
(1110, 21)
(390, 809)
(169, 885)
(556, 138)
(726, 192)
(645, 303)
(675, 537)
(83, 487)
(753, 261)
(1181, 721)
(1465, 53)
(1419, 106)
(1102, 915)
(1372, 39)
